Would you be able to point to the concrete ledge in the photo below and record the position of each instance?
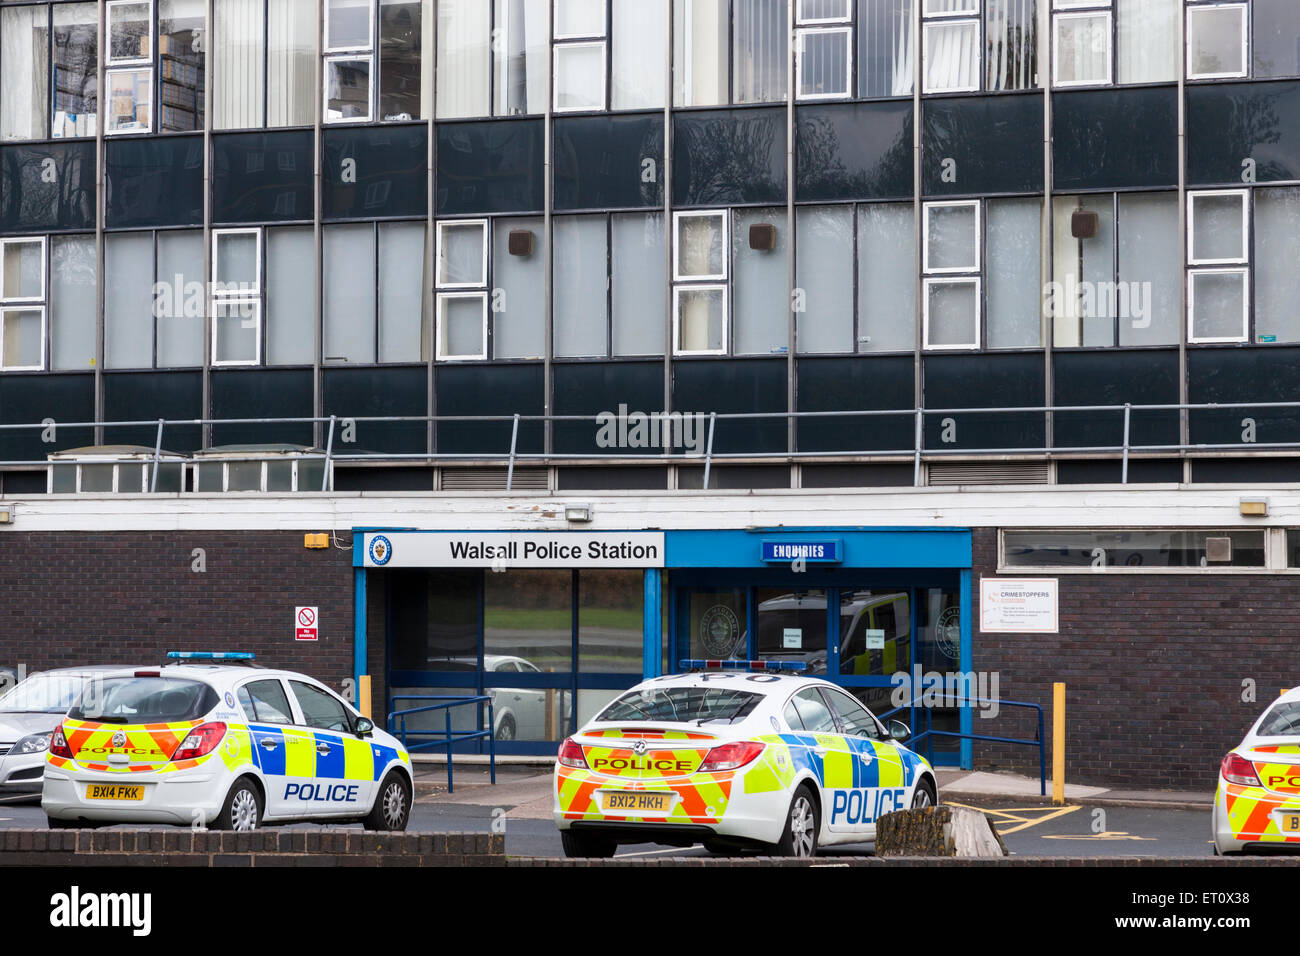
(273, 846)
(914, 861)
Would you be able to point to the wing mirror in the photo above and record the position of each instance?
(899, 731)
(365, 726)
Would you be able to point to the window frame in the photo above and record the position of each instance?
(1246, 202)
(439, 326)
(927, 207)
(1192, 273)
(443, 224)
(356, 57)
(724, 216)
(1082, 13)
(107, 53)
(327, 48)
(19, 303)
(1244, 9)
(933, 22)
(557, 37)
(801, 36)
(218, 298)
(976, 344)
(723, 287)
(556, 49)
(106, 115)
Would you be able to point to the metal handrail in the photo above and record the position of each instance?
(397, 727)
(930, 733)
(513, 455)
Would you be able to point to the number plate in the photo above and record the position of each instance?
(633, 803)
(1289, 822)
(103, 791)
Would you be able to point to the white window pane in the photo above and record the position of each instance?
(128, 300)
(952, 56)
(701, 319)
(1151, 268)
(24, 337)
(1277, 250)
(886, 47)
(129, 31)
(1148, 40)
(824, 63)
(1083, 271)
(952, 313)
(130, 93)
(1014, 285)
(464, 32)
(700, 69)
(1218, 227)
(1083, 49)
(347, 90)
(701, 246)
(180, 314)
(823, 10)
(952, 238)
(581, 283)
(350, 294)
(72, 302)
(236, 266)
(24, 72)
(640, 290)
(239, 46)
(22, 271)
(519, 300)
(638, 45)
(460, 253)
(940, 7)
(290, 298)
(759, 52)
(579, 18)
(1275, 28)
(824, 272)
(1218, 304)
(886, 265)
(761, 289)
(237, 329)
(76, 54)
(460, 325)
(1216, 41)
(580, 76)
(347, 24)
(522, 54)
(402, 320)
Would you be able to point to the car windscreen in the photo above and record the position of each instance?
(680, 704)
(143, 700)
(50, 693)
(1282, 721)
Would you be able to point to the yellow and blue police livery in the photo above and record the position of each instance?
(231, 746)
(734, 755)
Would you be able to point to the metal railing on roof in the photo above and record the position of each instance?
(511, 456)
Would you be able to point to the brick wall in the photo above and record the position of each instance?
(1154, 666)
(72, 598)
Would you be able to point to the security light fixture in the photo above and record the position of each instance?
(577, 512)
(1254, 507)
(1084, 224)
(762, 236)
(520, 242)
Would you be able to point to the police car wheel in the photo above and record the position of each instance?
(243, 809)
(392, 806)
(923, 797)
(586, 845)
(801, 826)
(507, 729)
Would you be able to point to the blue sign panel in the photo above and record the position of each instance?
(812, 550)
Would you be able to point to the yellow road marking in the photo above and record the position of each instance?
(1104, 835)
(1013, 820)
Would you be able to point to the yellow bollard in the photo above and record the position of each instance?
(363, 697)
(1058, 744)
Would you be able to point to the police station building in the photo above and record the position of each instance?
(534, 346)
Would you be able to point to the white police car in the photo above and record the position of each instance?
(731, 759)
(230, 747)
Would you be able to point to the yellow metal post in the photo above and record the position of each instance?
(363, 696)
(1058, 744)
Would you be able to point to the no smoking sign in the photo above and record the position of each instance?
(306, 626)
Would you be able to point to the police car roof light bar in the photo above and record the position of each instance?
(232, 657)
(700, 665)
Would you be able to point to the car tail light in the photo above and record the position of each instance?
(200, 741)
(1237, 769)
(59, 744)
(571, 755)
(730, 756)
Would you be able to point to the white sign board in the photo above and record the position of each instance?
(875, 639)
(306, 623)
(1019, 605)
(792, 638)
(500, 549)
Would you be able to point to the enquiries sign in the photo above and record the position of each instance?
(611, 549)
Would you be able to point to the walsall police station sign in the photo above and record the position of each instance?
(606, 549)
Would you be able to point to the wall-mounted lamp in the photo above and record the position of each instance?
(1084, 224)
(762, 236)
(1254, 507)
(520, 242)
(577, 512)
(6, 514)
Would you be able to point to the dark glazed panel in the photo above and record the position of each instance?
(1230, 123)
(140, 396)
(735, 386)
(729, 157)
(262, 393)
(47, 188)
(1244, 375)
(376, 172)
(379, 392)
(30, 399)
(154, 181)
(1115, 139)
(609, 162)
(854, 151)
(262, 177)
(984, 381)
(489, 167)
(853, 384)
(592, 388)
(981, 145)
(495, 390)
(1115, 378)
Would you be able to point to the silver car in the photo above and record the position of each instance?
(29, 713)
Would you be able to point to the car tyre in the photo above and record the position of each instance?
(802, 824)
(718, 848)
(392, 809)
(507, 729)
(243, 808)
(586, 845)
(923, 796)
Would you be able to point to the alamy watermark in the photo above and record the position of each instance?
(1130, 301)
(978, 689)
(665, 430)
(178, 299)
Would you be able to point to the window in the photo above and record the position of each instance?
(759, 46)
(1099, 42)
(320, 709)
(581, 286)
(1275, 37)
(518, 289)
(73, 301)
(91, 471)
(951, 264)
(1082, 41)
(1011, 44)
(1133, 550)
(952, 47)
(76, 60)
(290, 306)
(886, 47)
(761, 292)
(265, 702)
(521, 56)
(1277, 249)
(129, 77)
(579, 34)
(236, 296)
(1216, 40)
(1218, 297)
(886, 251)
(462, 265)
(22, 304)
(825, 57)
(700, 52)
(405, 68)
(639, 295)
(1147, 40)
(824, 278)
(700, 266)
(264, 50)
(349, 60)
(181, 54)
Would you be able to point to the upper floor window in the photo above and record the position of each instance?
(1217, 44)
(579, 34)
(824, 38)
(359, 89)
(1100, 42)
(22, 303)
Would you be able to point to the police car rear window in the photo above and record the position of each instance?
(705, 705)
(1282, 721)
(143, 700)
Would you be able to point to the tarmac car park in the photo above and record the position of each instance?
(224, 745)
(1257, 802)
(752, 756)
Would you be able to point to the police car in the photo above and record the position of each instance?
(225, 745)
(1257, 802)
(736, 754)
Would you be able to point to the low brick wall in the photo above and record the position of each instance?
(269, 847)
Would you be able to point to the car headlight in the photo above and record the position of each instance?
(31, 744)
